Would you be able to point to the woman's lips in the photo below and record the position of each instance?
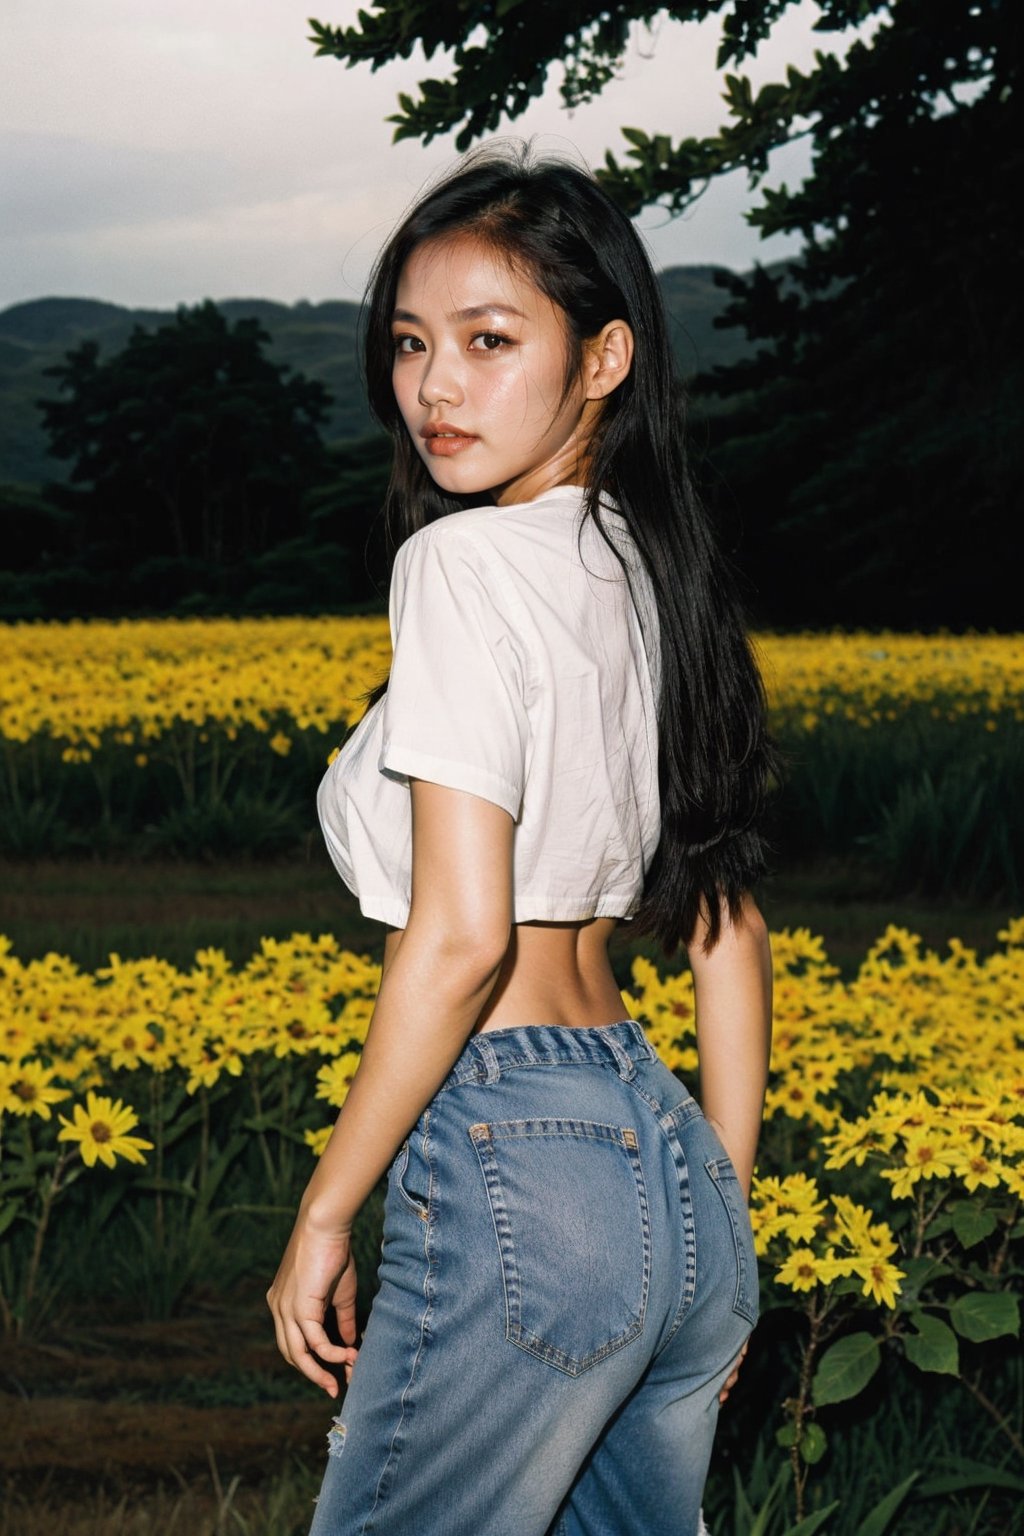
(442, 440)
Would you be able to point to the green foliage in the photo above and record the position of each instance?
(843, 799)
(924, 803)
(318, 340)
(873, 444)
(932, 1346)
(980, 1315)
(193, 423)
(330, 552)
(845, 1369)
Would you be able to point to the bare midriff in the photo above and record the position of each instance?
(552, 973)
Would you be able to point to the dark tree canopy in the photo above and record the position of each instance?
(873, 447)
(189, 443)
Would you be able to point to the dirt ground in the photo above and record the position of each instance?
(144, 1399)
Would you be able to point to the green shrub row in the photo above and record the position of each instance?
(925, 805)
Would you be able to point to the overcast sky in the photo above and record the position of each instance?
(157, 152)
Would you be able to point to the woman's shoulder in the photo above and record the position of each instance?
(493, 524)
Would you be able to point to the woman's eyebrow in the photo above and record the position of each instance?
(476, 312)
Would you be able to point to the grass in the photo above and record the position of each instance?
(171, 908)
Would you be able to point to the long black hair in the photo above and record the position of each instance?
(555, 225)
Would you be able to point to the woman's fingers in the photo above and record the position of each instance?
(314, 1268)
(316, 1339)
(734, 1374)
(344, 1300)
(300, 1355)
(305, 1345)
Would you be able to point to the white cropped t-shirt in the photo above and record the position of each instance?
(522, 672)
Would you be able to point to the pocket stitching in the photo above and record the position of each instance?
(400, 1166)
(720, 1170)
(483, 1138)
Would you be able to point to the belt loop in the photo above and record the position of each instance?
(624, 1064)
(485, 1051)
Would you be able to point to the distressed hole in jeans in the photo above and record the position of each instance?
(336, 1438)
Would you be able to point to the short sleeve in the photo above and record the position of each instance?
(454, 711)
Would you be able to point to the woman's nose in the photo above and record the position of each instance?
(439, 385)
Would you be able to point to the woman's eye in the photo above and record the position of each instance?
(406, 343)
(490, 341)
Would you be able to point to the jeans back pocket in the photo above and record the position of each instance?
(723, 1176)
(572, 1222)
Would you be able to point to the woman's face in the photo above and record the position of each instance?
(479, 375)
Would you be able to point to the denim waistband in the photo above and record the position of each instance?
(487, 1055)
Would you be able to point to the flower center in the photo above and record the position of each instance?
(100, 1131)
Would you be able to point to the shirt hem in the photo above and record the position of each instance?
(395, 912)
(408, 762)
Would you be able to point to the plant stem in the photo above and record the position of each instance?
(204, 1136)
(799, 1404)
(12, 776)
(1004, 1247)
(268, 1161)
(921, 1223)
(157, 1103)
(990, 1408)
(50, 1193)
(7, 1315)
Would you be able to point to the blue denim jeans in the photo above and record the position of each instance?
(566, 1275)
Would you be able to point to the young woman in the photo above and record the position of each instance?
(572, 735)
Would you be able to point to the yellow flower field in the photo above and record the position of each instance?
(86, 683)
(885, 1206)
(914, 1067)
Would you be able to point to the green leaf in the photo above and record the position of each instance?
(981, 1316)
(813, 1444)
(920, 1271)
(971, 1224)
(933, 1347)
(8, 1213)
(845, 1369)
(876, 1521)
(760, 1524)
(785, 1437)
(969, 1474)
(813, 1522)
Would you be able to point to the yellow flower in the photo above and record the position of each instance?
(854, 1228)
(801, 1271)
(101, 1130)
(927, 1155)
(1013, 1178)
(881, 1280)
(975, 1169)
(316, 1141)
(27, 1089)
(335, 1078)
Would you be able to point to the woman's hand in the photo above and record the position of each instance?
(451, 952)
(734, 1375)
(317, 1271)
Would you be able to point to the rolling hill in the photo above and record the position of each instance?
(316, 339)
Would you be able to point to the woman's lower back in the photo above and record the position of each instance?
(553, 973)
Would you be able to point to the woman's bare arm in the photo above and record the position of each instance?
(733, 996)
(430, 996)
(429, 999)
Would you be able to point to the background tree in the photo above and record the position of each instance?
(191, 450)
(873, 447)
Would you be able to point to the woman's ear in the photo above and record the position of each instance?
(607, 359)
